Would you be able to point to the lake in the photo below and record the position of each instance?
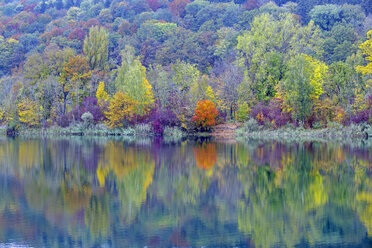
(114, 192)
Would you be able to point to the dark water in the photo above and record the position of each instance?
(100, 192)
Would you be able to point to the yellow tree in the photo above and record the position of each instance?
(366, 48)
(29, 112)
(102, 95)
(121, 109)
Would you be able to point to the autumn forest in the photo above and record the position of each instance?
(185, 64)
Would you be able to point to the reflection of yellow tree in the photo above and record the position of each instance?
(30, 153)
(317, 195)
(205, 155)
(133, 170)
(364, 205)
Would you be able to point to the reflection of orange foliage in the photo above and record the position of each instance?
(205, 156)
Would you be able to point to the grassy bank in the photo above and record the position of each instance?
(252, 130)
(247, 131)
(140, 130)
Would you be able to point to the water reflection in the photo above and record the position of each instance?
(103, 191)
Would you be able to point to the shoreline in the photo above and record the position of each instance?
(346, 133)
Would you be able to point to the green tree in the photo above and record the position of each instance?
(303, 84)
(96, 48)
(264, 50)
(131, 80)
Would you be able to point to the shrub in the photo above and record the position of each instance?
(173, 131)
(88, 120)
(276, 113)
(142, 129)
(361, 116)
(161, 117)
(260, 112)
(271, 113)
(251, 125)
(317, 125)
(63, 121)
(205, 114)
(334, 125)
(89, 104)
(12, 128)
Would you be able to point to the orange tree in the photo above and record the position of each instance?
(205, 114)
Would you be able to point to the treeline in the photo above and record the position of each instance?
(183, 63)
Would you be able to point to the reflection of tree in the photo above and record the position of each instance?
(364, 205)
(133, 170)
(205, 155)
(293, 208)
(276, 194)
(97, 216)
(30, 153)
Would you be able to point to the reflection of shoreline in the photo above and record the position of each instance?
(298, 135)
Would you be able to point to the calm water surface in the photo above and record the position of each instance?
(102, 192)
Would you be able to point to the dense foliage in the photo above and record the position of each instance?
(152, 61)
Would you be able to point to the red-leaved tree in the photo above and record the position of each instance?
(205, 114)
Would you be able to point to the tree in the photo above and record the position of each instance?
(102, 95)
(96, 48)
(177, 7)
(341, 84)
(303, 84)
(268, 46)
(75, 75)
(29, 112)
(121, 110)
(327, 15)
(366, 48)
(205, 114)
(131, 80)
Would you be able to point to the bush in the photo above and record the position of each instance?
(63, 121)
(317, 125)
(12, 128)
(89, 104)
(88, 120)
(334, 125)
(161, 117)
(271, 113)
(142, 129)
(251, 126)
(360, 117)
(173, 132)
